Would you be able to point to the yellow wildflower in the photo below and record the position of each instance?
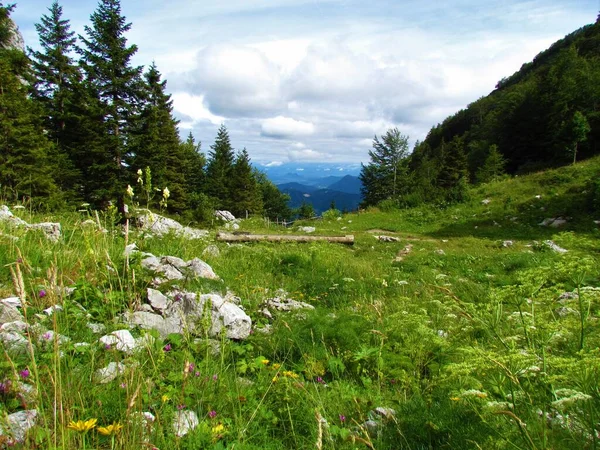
(82, 427)
(455, 399)
(165, 398)
(290, 374)
(265, 362)
(275, 379)
(276, 366)
(110, 430)
(217, 429)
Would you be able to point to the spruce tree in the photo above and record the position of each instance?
(25, 169)
(245, 192)
(55, 77)
(106, 60)
(219, 169)
(194, 165)
(155, 142)
(386, 175)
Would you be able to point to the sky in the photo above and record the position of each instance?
(315, 81)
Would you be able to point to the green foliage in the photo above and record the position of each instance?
(386, 174)
(306, 211)
(219, 169)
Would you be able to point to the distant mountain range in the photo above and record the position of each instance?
(319, 184)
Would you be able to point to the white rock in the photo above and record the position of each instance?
(49, 311)
(122, 340)
(161, 226)
(555, 247)
(226, 216)
(15, 302)
(97, 328)
(486, 201)
(212, 251)
(51, 230)
(201, 270)
(130, 249)
(184, 422)
(17, 424)
(173, 261)
(507, 244)
(157, 299)
(18, 326)
(151, 321)
(307, 229)
(14, 342)
(9, 313)
(109, 373)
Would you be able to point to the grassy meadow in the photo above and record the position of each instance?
(473, 341)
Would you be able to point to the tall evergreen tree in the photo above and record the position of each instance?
(106, 60)
(275, 203)
(194, 165)
(219, 169)
(25, 169)
(55, 77)
(245, 193)
(156, 143)
(386, 174)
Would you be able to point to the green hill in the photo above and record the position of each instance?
(529, 115)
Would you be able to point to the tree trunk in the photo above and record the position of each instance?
(228, 237)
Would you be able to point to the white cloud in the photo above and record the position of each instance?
(308, 155)
(273, 164)
(284, 127)
(192, 106)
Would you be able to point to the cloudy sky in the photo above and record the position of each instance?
(310, 80)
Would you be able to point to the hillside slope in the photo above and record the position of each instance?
(531, 115)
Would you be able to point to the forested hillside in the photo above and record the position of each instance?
(81, 123)
(545, 115)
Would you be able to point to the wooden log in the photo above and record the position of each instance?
(228, 237)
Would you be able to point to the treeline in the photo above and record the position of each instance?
(545, 115)
(79, 121)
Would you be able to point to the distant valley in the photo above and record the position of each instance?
(318, 184)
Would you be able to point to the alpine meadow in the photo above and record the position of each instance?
(158, 292)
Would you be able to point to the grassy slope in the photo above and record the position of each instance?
(463, 337)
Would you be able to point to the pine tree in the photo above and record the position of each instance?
(219, 169)
(453, 176)
(155, 142)
(194, 165)
(275, 203)
(493, 166)
(55, 77)
(245, 193)
(385, 177)
(25, 169)
(106, 60)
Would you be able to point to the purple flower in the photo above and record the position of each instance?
(212, 414)
(24, 373)
(123, 385)
(107, 346)
(320, 380)
(42, 293)
(47, 335)
(342, 418)
(197, 373)
(180, 407)
(167, 348)
(5, 387)
(215, 377)
(178, 297)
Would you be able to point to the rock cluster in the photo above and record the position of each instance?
(160, 226)
(51, 230)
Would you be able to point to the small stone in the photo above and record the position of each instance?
(486, 201)
(17, 424)
(18, 326)
(201, 269)
(307, 229)
(507, 244)
(109, 373)
(97, 328)
(386, 413)
(555, 247)
(211, 251)
(122, 340)
(184, 422)
(157, 299)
